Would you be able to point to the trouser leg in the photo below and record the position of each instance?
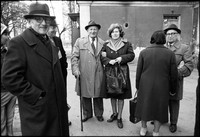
(10, 114)
(98, 106)
(6, 118)
(174, 106)
(87, 107)
(3, 121)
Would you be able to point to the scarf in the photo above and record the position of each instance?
(115, 44)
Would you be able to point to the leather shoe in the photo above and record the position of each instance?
(119, 123)
(85, 119)
(113, 117)
(173, 128)
(100, 118)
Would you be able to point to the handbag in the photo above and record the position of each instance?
(132, 108)
(115, 78)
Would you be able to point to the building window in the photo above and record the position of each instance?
(171, 19)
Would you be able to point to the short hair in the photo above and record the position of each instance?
(158, 37)
(113, 26)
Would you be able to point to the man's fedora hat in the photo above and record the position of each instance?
(53, 23)
(174, 27)
(38, 9)
(92, 23)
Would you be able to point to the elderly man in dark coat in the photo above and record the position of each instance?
(185, 65)
(32, 72)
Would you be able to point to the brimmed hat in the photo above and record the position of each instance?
(174, 27)
(38, 9)
(53, 23)
(92, 23)
(3, 28)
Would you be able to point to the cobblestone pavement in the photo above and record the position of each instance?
(94, 128)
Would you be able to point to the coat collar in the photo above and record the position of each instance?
(99, 45)
(110, 46)
(37, 45)
(176, 45)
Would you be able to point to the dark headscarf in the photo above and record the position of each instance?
(158, 37)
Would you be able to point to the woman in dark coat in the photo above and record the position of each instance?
(156, 77)
(118, 50)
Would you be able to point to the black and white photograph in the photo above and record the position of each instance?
(99, 68)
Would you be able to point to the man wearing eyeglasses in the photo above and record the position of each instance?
(185, 67)
(33, 73)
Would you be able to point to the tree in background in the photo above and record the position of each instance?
(12, 15)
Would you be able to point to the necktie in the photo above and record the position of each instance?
(93, 47)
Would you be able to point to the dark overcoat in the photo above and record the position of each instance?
(127, 54)
(63, 57)
(156, 76)
(31, 69)
(185, 64)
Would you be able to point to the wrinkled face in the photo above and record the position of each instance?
(52, 31)
(115, 34)
(93, 31)
(40, 24)
(4, 38)
(172, 36)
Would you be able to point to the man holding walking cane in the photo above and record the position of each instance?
(87, 67)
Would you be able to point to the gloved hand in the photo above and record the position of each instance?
(112, 62)
(119, 59)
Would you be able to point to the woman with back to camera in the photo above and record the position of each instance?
(117, 50)
(156, 80)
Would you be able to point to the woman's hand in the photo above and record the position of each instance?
(112, 62)
(119, 59)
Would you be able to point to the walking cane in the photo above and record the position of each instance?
(80, 102)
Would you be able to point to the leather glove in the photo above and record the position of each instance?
(119, 59)
(112, 62)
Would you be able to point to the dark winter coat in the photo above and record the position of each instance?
(31, 70)
(156, 76)
(127, 54)
(63, 59)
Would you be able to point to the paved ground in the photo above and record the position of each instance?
(94, 128)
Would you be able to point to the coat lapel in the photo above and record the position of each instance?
(88, 46)
(36, 44)
(55, 54)
(100, 43)
(174, 47)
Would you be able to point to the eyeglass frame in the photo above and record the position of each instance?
(172, 34)
(41, 19)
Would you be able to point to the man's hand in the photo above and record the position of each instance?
(103, 54)
(77, 74)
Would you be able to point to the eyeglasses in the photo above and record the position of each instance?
(168, 34)
(41, 19)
